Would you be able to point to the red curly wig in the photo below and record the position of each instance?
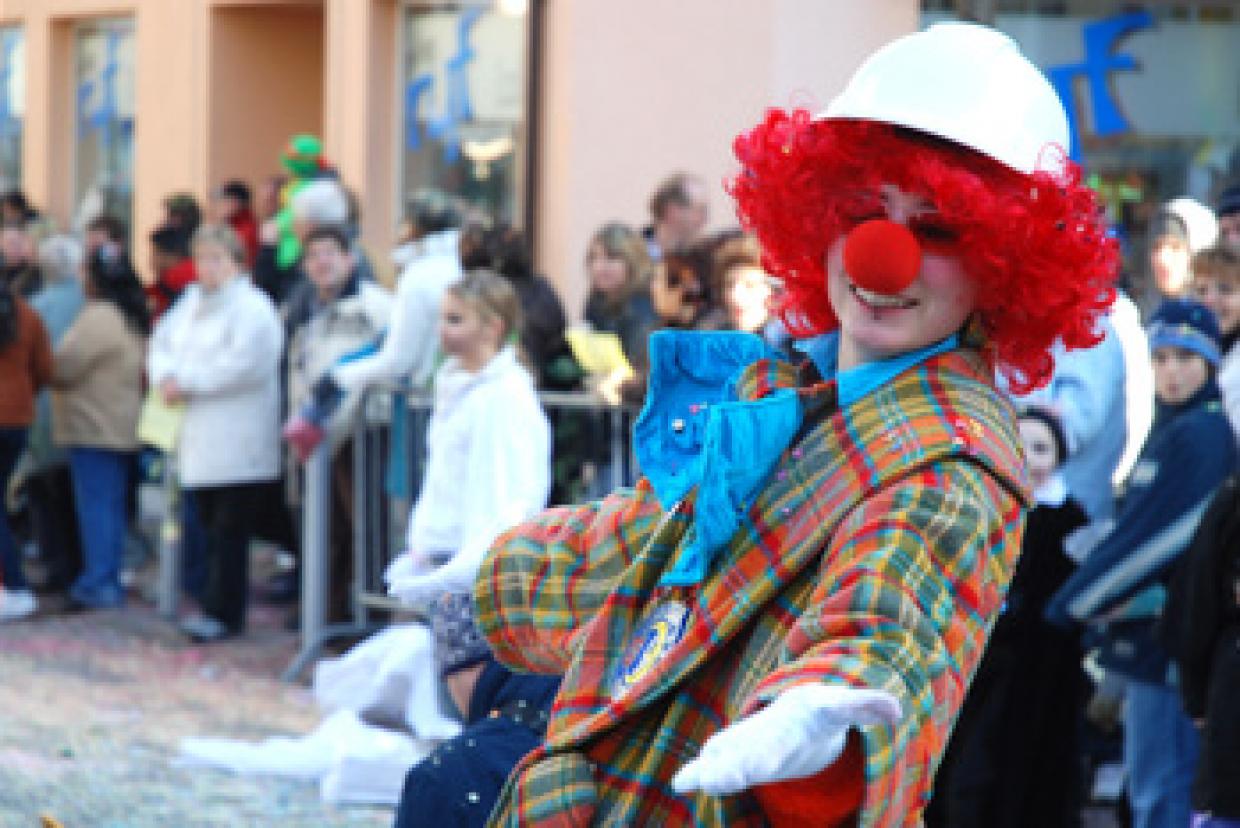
(1036, 246)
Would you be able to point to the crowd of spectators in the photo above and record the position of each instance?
(264, 326)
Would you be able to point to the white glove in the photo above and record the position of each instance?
(798, 734)
(405, 565)
(418, 582)
(412, 579)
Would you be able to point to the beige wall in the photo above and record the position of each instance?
(266, 84)
(360, 121)
(221, 85)
(631, 91)
(638, 89)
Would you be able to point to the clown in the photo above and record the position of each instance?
(779, 623)
(304, 162)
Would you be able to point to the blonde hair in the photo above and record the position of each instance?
(619, 241)
(223, 236)
(1217, 263)
(492, 296)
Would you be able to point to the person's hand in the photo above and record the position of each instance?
(609, 386)
(407, 564)
(412, 584)
(303, 435)
(171, 392)
(801, 732)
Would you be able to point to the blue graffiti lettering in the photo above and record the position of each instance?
(414, 91)
(104, 117)
(458, 102)
(1099, 39)
(9, 125)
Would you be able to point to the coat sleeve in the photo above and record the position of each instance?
(414, 311)
(1154, 524)
(1084, 387)
(544, 580)
(249, 357)
(908, 588)
(1196, 609)
(87, 341)
(41, 364)
(160, 354)
(507, 478)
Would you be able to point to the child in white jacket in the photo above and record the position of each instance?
(489, 444)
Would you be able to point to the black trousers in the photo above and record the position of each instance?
(227, 514)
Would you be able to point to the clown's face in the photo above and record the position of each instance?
(937, 303)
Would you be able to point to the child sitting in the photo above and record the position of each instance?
(488, 443)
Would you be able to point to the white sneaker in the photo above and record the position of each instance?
(16, 603)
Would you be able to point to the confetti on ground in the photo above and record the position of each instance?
(94, 706)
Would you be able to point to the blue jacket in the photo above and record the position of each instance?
(1087, 389)
(457, 785)
(1190, 451)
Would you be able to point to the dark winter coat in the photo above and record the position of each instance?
(1201, 630)
(632, 321)
(458, 784)
(1011, 762)
(542, 324)
(1190, 451)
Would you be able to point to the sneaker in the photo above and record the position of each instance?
(204, 629)
(16, 604)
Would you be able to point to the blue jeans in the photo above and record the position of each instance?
(100, 486)
(1160, 751)
(1203, 821)
(12, 442)
(193, 548)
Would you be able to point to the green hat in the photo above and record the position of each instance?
(303, 156)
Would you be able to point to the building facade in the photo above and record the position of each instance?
(1152, 90)
(557, 114)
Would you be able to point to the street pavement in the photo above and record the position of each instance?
(93, 707)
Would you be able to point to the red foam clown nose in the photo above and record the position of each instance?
(882, 256)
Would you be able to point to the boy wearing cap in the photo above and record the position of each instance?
(780, 621)
(1190, 451)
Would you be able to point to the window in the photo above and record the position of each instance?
(104, 119)
(464, 77)
(1151, 89)
(12, 105)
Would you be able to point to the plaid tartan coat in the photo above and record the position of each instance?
(877, 555)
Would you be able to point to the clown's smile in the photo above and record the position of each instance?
(881, 302)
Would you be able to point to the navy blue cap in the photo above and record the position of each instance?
(1183, 323)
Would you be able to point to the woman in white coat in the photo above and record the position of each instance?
(489, 444)
(217, 352)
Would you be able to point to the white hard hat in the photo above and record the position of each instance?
(967, 83)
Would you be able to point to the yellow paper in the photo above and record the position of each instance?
(159, 424)
(598, 352)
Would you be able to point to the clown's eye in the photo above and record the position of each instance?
(858, 207)
(934, 231)
(859, 214)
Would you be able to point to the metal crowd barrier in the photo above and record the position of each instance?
(380, 515)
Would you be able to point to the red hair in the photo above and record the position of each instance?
(1035, 246)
